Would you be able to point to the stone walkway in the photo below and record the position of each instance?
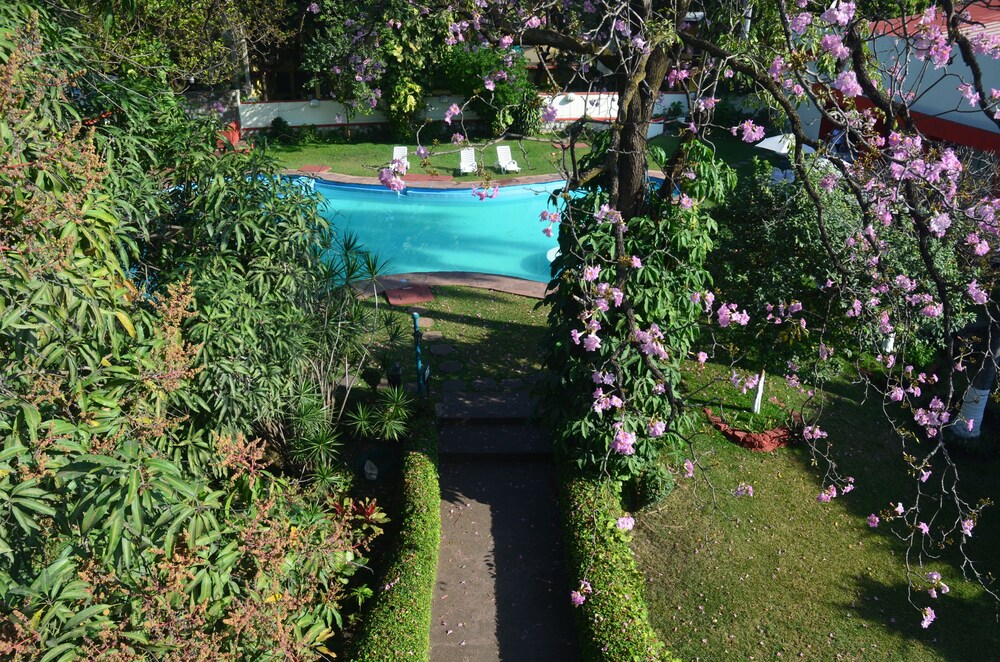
(501, 590)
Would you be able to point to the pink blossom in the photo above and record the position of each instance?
(829, 182)
(506, 41)
(751, 132)
(313, 8)
(625, 523)
(453, 110)
(533, 22)
(577, 598)
(939, 224)
(590, 274)
(873, 520)
(743, 490)
(977, 295)
(656, 428)
(967, 525)
(549, 114)
(896, 394)
(899, 508)
(624, 443)
(847, 82)
(636, 262)
(928, 617)
(457, 139)
(840, 13)
(800, 22)
(833, 44)
(702, 357)
(688, 469)
(924, 529)
(422, 152)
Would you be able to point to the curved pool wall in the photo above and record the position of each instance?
(425, 230)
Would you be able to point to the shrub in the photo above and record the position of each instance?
(649, 488)
(281, 131)
(613, 622)
(398, 623)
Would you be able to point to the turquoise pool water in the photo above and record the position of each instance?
(424, 230)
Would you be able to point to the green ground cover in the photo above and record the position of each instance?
(495, 335)
(730, 149)
(536, 157)
(780, 575)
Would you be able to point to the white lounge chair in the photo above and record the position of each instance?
(401, 154)
(505, 161)
(468, 161)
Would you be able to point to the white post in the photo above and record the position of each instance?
(889, 343)
(759, 395)
(973, 408)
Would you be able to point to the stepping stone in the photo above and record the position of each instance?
(449, 367)
(512, 383)
(426, 323)
(441, 350)
(349, 381)
(432, 335)
(535, 377)
(407, 294)
(507, 439)
(484, 384)
(452, 385)
(496, 407)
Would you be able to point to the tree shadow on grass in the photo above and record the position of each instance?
(866, 447)
(965, 628)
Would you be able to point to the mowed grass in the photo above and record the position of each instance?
(364, 159)
(782, 576)
(494, 335)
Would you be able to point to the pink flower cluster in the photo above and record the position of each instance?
(452, 111)
(742, 490)
(551, 217)
(751, 133)
(932, 418)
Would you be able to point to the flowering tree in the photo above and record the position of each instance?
(908, 267)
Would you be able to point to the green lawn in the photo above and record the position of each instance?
(495, 335)
(780, 576)
(536, 157)
(730, 149)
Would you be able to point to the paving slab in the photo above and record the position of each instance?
(441, 350)
(502, 593)
(449, 367)
(495, 407)
(494, 440)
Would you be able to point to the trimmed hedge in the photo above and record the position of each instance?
(398, 623)
(613, 623)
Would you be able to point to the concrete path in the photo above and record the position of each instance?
(502, 593)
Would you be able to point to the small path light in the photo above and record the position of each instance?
(395, 375)
(416, 346)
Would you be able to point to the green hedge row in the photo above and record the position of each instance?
(613, 622)
(398, 623)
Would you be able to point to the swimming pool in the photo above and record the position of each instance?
(421, 230)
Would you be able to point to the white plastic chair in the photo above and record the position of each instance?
(401, 154)
(505, 161)
(468, 161)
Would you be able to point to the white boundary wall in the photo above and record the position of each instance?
(600, 106)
